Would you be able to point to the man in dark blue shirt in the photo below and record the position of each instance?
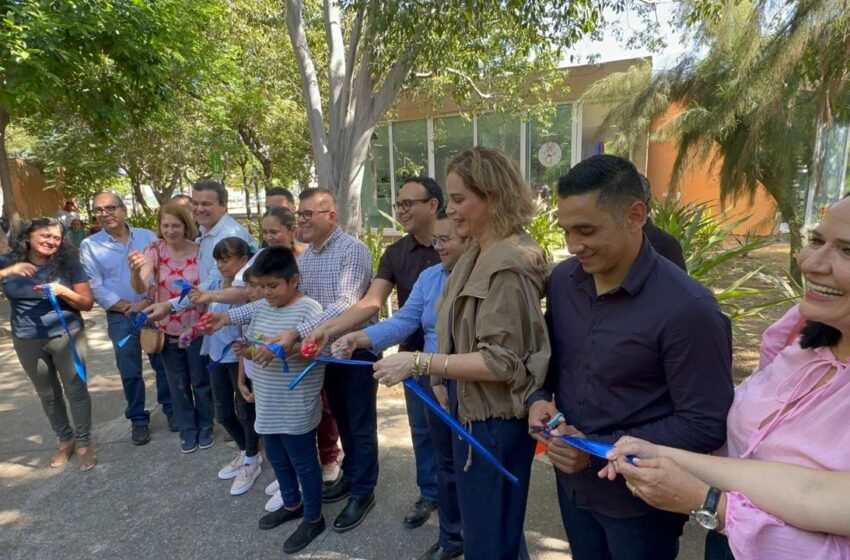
(638, 348)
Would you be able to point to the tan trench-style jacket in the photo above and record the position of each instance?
(494, 308)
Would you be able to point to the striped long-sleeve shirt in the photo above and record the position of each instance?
(279, 410)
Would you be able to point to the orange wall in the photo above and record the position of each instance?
(31, 194)
(701, 183)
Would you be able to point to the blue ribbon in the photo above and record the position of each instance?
(435, 407)
(214, 363)
(185, 288)
(78, 362)
(138, 321)
(593, 447)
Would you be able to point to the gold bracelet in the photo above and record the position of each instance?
(446, 366)
(428, 364)
(416, 369)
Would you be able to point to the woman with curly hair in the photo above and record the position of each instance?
(41, 256)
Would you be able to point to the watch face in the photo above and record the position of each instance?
(706, 519)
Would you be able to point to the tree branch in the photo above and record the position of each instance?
(310, 86)
(350, 61)
(471, 83)
(336, 65)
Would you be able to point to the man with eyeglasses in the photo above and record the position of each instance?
(418, 202)
(104, 257)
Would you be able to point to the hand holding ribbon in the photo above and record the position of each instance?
(433, 405)
(138, 321)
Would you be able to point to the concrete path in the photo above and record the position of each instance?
(153, 502)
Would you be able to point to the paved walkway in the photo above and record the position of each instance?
(153, 502)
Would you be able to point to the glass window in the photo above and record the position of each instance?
(410, 149)
(376, 192)
(498, 130)
(549, 149)
(452, 135)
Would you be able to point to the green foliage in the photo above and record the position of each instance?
(749, 98)
(374, 240)
(544, 227)
(705, 242)
(144, 219)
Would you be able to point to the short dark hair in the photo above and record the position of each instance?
(433, 188)
(817, 335)
(232, 247)
(280, 191)
(210, 185)
(647, 188)
(314, 191)
(441, 214)
(616, 179)
(275, 261)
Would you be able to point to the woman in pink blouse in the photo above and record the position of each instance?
(795, 410)
(173, 258)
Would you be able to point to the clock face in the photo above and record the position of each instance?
(706, 519)
(549, 154)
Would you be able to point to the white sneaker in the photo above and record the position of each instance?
(273, 488)
(245, 479)
(330, 472)
(274, 503)
(231, 469)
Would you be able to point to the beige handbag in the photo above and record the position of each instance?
(151, 338)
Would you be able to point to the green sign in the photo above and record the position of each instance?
(215, 163)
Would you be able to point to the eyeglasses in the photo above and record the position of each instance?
(105, 209)
(407, 204)
(307, 215)
(442, 240)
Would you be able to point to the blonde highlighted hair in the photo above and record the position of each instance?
(190, 229)
(493, 176)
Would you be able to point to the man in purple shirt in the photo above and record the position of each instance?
(638, 348)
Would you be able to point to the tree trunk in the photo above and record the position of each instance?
(10, 207)
(137, 192)
(246, 185)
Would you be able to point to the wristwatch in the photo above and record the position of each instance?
(706, 515)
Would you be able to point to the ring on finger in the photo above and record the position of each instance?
(632, 488)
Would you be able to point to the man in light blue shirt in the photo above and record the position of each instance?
(209, 206)
(104, 257)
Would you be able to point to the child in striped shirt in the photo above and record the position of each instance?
(287, 419)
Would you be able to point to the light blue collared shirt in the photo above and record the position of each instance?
(105, 261)
(214, 344)
(227, 226)
(420, 310)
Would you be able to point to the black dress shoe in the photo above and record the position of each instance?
(354, 513)
(172, 423)
(338, 491)
(279, 517)
(437, 552)
(419, 513)
(141, 435)
(304, 535)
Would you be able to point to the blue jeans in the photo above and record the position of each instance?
(189, 382)
(423, 447)
(448, 509)
(295, 459)
(128, 359)
(492, 509)
(593, 536)
(352, 394)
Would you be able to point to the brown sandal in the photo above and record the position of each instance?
(63, 454)
(87, 457)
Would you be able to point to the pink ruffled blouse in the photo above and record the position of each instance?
(813, 433)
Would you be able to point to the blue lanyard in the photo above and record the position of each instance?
(79, 365)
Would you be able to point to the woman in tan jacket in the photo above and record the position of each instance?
(494, 347)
